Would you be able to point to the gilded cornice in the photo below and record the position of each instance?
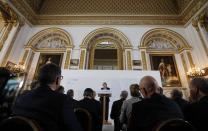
(106, 33)
(117, 19)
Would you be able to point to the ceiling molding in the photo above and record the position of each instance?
(157, 19)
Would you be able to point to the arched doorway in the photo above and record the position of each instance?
(106, 48)
(105, 56)
(49, 45)
(168, 49)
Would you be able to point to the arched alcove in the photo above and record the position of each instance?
(117, 40)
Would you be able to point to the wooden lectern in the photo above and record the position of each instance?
(104, 94)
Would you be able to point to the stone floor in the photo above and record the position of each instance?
(108, 128)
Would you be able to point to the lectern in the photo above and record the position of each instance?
(104, 94)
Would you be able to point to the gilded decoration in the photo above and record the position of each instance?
(25, 55)
(184, 64)
(129, 60)
(93, 12)
(195, 23)
(67, 61)
(144, 61)
(98, 36)
(50, 39)
(165, 43)
(30, 61)
(11, 45)
(190, 59)
(161, 39)
(82, 59)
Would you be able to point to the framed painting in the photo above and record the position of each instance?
(137, 63)
(46, 58)
(74, 62)
(166, 65)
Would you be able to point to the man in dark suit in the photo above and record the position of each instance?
(105, 87)
(116, 110)
(52, 110)
(93, 108)
(177, 96)
(197, 112)
(70, 93)
(153, 109)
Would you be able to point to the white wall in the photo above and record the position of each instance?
(133, 33)
(78, 33)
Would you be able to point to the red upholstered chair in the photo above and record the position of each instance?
(19, 123)
(174, 125)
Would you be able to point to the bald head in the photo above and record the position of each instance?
(148, 86)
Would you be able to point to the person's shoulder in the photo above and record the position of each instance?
(139, 103)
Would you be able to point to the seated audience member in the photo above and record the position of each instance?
(52, 110)
(93, 108)
(34, 85)
(94, 95)
(153, 109)
(177, 96)
(5, 75)
(70, 93)
(116, 110)
(197, 112)
(127, 105)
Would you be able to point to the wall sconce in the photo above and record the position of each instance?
(196, 72)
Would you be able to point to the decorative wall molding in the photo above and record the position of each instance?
(161, 38)
(112, 19)
(119, 40)
(49, 39)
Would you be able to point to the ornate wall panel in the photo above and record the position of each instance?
(144, 61)
(67, 61)
(190, 59)
(82, 59)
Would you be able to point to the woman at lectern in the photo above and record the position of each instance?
(105, 87)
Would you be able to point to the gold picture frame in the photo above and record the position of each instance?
(45, 58)
(166, 65)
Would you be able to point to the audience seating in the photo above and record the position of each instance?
(19, 123)
(174, 125)
(84, 118)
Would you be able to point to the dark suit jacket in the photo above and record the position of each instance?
(52, 110)
(147, 113)
(182, 103)
(116, 109)
(94, 108)
(197, 114)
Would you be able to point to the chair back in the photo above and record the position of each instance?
(174, 125)
(19, 123)
(84, 118)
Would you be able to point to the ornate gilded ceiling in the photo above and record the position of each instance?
(172, 12)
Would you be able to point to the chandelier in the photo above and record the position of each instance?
(196, 72)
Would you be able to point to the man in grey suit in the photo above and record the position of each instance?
(127, 105)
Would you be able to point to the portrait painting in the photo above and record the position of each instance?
(46, 58)
(166, 65)
(137, 62)
(74, 62)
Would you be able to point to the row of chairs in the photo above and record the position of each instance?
(85, 119)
